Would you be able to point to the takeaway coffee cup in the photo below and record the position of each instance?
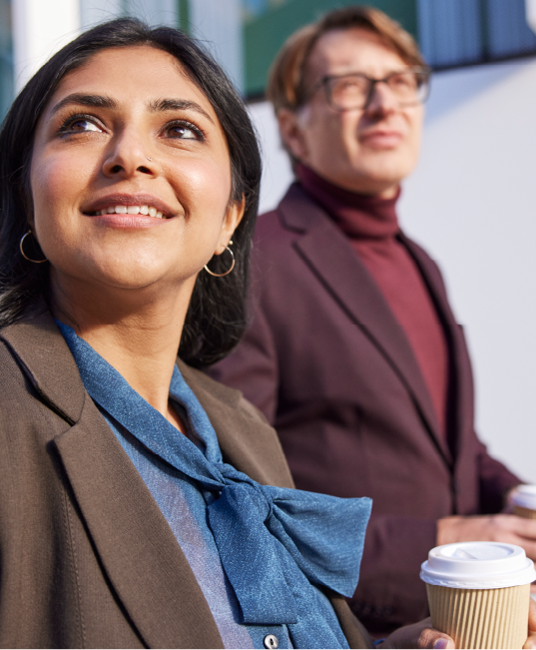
(479, 593)
(524, 501)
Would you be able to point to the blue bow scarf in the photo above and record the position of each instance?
(274, 543)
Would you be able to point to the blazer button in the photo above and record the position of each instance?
(271, 641)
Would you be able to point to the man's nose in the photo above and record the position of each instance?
(381, 98)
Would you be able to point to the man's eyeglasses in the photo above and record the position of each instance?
(355, 90)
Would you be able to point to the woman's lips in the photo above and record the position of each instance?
(381, 139)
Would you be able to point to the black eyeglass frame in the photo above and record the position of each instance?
(425, 71)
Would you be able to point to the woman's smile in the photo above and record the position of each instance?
(129, 210)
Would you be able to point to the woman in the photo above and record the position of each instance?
(136, 507)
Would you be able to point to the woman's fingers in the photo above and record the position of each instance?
(531, 641)
(419, 635)
(444, 643)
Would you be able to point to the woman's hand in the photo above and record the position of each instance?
(531, 641)
(422, 635)
(419, 635)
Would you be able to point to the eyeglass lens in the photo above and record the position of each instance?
(353, 90)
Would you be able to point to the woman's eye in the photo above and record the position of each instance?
(79, 125)
(184, 132)
(84, 125)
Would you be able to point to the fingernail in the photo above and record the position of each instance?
(440, 644)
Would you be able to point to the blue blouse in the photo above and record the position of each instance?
(262, 555)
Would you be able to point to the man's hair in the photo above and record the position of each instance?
(216, 317)
(287, 83)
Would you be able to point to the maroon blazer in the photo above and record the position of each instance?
(332, 370)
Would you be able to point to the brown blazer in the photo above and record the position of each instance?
(86, 557)
(330, 367)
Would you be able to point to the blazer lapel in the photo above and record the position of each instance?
(135, 545)
(330, 256)
(434, 282)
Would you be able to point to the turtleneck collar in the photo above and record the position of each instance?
(358, 215)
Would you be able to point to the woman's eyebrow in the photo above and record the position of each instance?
(161, 105)
(104, 101)
(94, 101)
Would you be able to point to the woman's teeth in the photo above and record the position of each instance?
(132, 209)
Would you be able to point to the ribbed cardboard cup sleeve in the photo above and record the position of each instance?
(481, 618)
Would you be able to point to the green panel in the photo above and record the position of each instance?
(266, 33)
(184, 16)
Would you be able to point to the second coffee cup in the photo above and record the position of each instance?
(524, 501)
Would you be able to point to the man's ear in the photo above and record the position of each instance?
(293, 133)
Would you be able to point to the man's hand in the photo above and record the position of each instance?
(419, 635)
(489, 528)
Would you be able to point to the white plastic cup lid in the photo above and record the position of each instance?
(478, 565)
(525, 496)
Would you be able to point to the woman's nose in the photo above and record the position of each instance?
(128, 157)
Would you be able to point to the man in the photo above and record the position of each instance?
(353, 353)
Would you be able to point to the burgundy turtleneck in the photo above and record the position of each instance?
(371, 224)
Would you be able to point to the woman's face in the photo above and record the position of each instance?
(130, 175)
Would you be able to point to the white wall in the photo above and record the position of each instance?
(154, 12)
(40, 28)
(218, 24)
(472, 203)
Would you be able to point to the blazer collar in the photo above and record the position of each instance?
(329, 254)
(48, 363)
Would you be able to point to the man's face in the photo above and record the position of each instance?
(368, 150)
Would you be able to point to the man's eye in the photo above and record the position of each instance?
(351, 84)
(404, 81)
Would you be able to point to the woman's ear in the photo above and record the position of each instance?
(235, 213)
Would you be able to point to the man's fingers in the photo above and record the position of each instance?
(523, 527)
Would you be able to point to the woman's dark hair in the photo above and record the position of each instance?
(216, 316)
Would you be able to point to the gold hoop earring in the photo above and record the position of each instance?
(221, 275)
(24, 254)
